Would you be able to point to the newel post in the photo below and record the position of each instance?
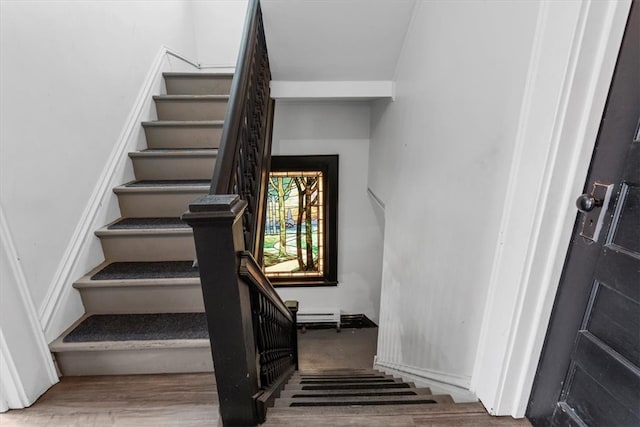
(217, 228)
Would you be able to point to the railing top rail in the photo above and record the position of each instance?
(252, 274)
(223, 172)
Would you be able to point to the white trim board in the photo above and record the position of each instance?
(13, 392)
(332, 90)
(440, 383)
(61, 305)
(572, 63)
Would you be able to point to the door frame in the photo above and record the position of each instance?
(574, 53)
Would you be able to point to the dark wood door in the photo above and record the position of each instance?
(589, 371)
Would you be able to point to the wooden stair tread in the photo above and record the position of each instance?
(345, 380)
(146, 223)
(307, 376)
(140, 272)
(177, 152)
(381, 391)
(183, 123)
(192, 75)
(123, 279)
(362, 400)
(163, 186)
(347, 411)
(148, 327)
(341, 371)
(400, 419)
(191, 97)
(348, 386)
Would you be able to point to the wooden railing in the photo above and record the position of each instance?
(251, 330)
(242, 164)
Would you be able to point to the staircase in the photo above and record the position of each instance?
(143, 305)
(365, 397)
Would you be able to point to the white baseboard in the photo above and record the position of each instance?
(61, 305)
(12, 393)
(439, 382)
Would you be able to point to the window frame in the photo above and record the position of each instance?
(328, 165)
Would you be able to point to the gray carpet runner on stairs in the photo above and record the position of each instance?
(147, 223)
(165, 183)
(143, 327)
(147, 270)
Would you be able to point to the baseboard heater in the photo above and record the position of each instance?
(319, 315)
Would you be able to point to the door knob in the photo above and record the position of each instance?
(586, 203)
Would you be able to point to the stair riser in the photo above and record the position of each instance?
(156, 204)
(198, 85)
(191, 109)
(167, 137)
(135, 361)
(154, 247)
(173, 168)
(143, 299)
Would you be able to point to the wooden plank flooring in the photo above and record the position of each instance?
(131, 400)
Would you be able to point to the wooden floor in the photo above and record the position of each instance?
(191, 399)
(131, 400)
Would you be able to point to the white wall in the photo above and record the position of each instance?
(339, 128)
(440, 158)
(329, 40)
(70, 76)
(218, 30)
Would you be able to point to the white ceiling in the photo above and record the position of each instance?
(335, 40)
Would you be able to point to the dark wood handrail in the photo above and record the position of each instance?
(222, 182)
(251, 272)
(242, 164)
(253, 333)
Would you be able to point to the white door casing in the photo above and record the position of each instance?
(575, 50)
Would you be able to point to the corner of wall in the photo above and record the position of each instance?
(439, 382)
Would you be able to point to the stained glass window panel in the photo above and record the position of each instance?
(294, 228)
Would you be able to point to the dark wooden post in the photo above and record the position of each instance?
(293, 308)
(217, 227)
